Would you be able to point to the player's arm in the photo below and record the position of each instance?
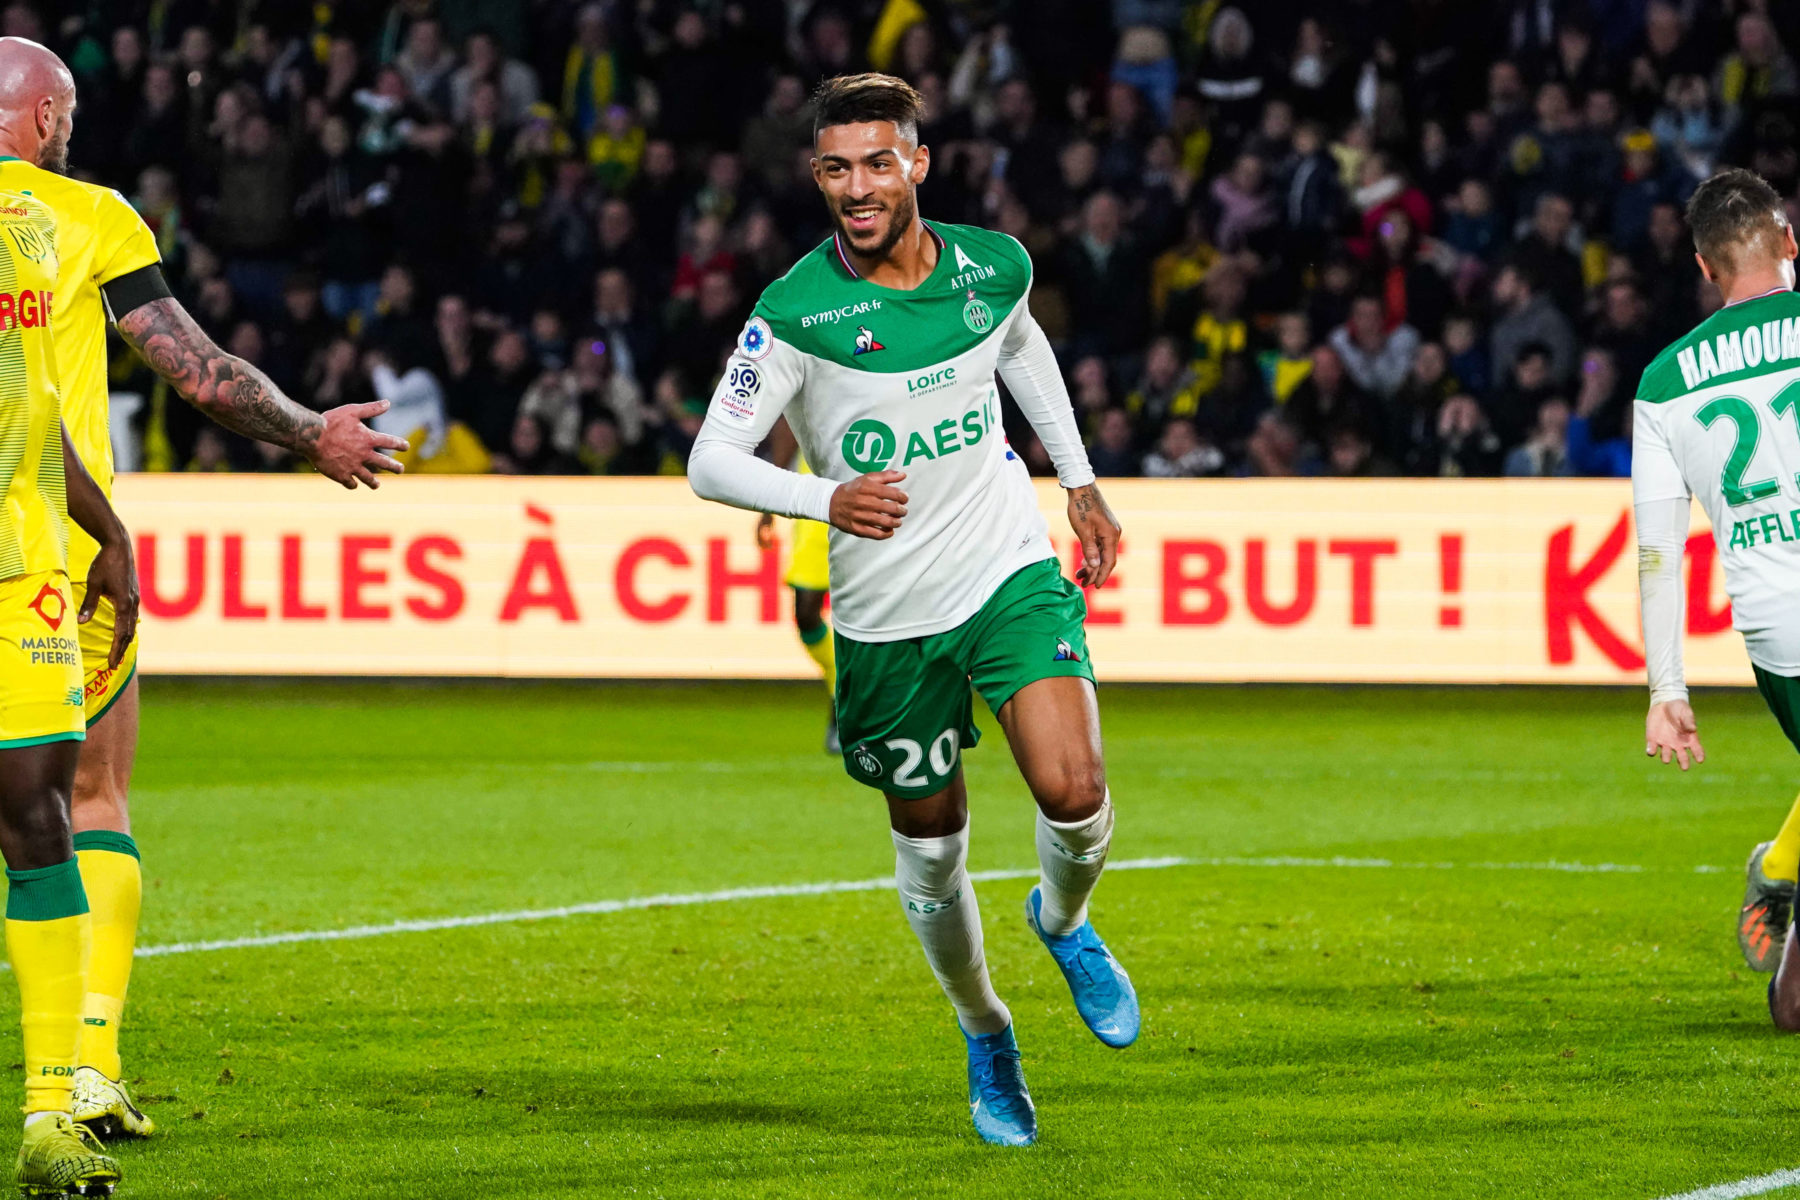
(723, 466)
(1661, 508)
(1028, 367)
(112, 574)
(783, 447)
(236, 393)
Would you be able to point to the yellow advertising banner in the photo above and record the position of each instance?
(1468, 581)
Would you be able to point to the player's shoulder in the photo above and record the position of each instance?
(817, 294)
(1751, 338)
(75, 199)
(975, 250)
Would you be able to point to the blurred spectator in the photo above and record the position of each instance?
(1181, 453)
(1111, 453)
(1376, 357)
(1546, 451)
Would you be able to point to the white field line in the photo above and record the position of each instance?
(782, 890)
(1756, 1185)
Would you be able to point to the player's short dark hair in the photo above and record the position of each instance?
(1734, 211)
(859, 99)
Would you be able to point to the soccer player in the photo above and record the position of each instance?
(108, 261)
(43, 484)
(809, 575)
(882, 347)
(1718, 416)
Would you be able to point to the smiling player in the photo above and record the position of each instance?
(882, 347)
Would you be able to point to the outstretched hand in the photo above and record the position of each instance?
(1094, 523)
(869, 506)
(1670, 730)
(349, 452)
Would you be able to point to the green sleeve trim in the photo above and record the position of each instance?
(815, 635)
(73, 735)
(129, 676)
(46, 893)
(107, 839)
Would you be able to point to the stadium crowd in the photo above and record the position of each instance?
(1343, 237)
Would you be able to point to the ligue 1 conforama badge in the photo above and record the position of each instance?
(756, 341)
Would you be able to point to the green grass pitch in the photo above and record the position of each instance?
(1344, 1031)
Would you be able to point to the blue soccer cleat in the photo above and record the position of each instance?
(1104, 997)
(998, 1098)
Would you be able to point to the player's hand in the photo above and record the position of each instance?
(869, 506)
(765, 531)
(113, 575)
(349, 452)
(1671, 730)
(1094, 523)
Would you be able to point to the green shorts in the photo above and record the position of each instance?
(904, 709)
(1782, 694)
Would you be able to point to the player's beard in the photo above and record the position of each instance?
(900, 219)
(54, 154)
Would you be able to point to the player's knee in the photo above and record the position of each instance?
(38, 831)
(1074, 792)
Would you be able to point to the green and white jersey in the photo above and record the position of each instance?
(1718, 417)
(873, 378)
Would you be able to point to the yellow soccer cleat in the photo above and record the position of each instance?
(104, 1108)
(59, 1159)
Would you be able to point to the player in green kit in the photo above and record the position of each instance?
(1717, 417)
(881, 347)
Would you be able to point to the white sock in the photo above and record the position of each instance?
(1070, 858)
(33, 1118)
(939, 901)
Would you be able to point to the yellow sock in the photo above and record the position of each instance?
(47, 939)
(115, 891)
(823, 648)
(1782, 859)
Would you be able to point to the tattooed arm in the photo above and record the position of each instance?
(241, 398)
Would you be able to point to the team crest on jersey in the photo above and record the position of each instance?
(1065, 652)
(976, 314)
(866, 761)
(756, 341)
(865, 342)
(50, 606)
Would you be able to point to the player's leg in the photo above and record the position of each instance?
(905, 711)
(47, 941)
(111, 875)
(46, 909)
(1031, 665)
(815, 636)
(1769, 884)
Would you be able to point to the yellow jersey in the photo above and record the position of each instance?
(34, 505)
(99, 238)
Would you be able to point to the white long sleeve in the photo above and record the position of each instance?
(1028, 367)
(1662, 529)
(745, 406)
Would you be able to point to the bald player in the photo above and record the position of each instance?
(109, 264)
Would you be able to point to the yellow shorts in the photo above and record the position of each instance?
(101, 684)
(810, 566)
(40, 662)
